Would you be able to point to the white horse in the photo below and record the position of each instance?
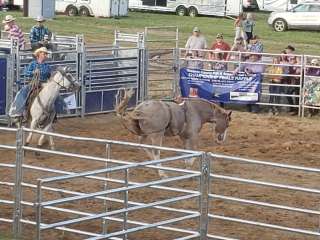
(42, 111)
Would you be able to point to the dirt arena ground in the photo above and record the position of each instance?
(280, 139)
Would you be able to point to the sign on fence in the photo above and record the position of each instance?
(220, 86)
(312, 91)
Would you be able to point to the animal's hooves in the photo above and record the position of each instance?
(189, 162)
(163, 175)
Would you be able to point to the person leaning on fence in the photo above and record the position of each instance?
(14, 31)
(220, 45)
(248, 25)
(239, 47)
(40, 35)
(252, 66)
(255, 45)
(275, 78)
(196, 41)
(293, 69)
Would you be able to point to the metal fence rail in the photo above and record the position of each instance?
(56, 200)
(262, 204)
(121, 186)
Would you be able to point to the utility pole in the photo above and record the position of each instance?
(25, 8)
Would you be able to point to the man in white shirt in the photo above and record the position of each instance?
(197, 42)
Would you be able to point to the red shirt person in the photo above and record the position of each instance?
(220, 45)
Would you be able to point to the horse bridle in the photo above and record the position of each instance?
(65, 75)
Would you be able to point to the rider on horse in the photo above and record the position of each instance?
(37, 72)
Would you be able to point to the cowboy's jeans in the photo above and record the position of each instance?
(18, 105)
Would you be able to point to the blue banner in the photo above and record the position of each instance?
(220, 86)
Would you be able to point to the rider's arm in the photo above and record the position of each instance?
(29, 71)
(47, 71)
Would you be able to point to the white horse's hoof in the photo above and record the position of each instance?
(189, 162)
(163, 175)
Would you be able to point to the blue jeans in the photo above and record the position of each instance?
(18, 106)
(275, 90)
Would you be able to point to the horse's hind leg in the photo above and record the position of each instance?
(51, 142)
(157, 140)
(154, 154)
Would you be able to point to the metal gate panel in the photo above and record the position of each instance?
(3, 85)
(107, 71)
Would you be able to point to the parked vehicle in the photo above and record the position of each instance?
(190, 7)
(303, 16)
(97, 8)
(278, 5)
(250, 5)
(13, 4)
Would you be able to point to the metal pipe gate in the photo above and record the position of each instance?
(104, 197)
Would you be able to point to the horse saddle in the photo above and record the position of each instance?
(33, 93)
(49, 114)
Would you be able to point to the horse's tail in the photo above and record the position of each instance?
(122, 100)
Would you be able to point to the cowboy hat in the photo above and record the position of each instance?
(220, 35)
(40, 50)
(196, 29)
(40, 19)
(8, 19)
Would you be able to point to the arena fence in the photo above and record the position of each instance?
(289, 93)
(310, 91)
(150, 61)
(161, 44)
(90, 188)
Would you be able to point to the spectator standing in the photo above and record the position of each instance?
(196, 41)
(313, 71)
(248, 25)
(40, 35)
(275, 78)
(252, 66)
(293, 69)
(255, 45)
(220, 45)
(240, 47)
(14, 31)
(238, 24)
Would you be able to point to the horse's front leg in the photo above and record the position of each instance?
(48, 128)
(190, 144)
(156, 139)
(32, 127)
